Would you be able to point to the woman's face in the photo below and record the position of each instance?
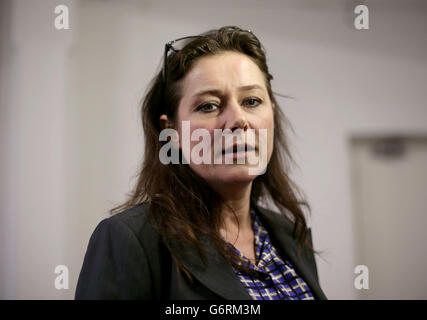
(226, 91)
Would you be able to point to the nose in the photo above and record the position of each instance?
(235, 117)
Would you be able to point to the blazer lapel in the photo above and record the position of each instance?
(218, 276)
(281, 231)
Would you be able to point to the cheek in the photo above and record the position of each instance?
(198, 131)
(267, 123)
(271, 130)
(271, 137)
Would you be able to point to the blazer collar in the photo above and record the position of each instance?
(280, 231)
(218, 275)
(225, 283)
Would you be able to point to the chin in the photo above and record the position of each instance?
(232, 174)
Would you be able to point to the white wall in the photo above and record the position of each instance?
(391, 193)
(70, 134)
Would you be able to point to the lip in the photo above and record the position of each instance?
(243, 148)
(241, 154)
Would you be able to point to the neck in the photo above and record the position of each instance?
(237, 199)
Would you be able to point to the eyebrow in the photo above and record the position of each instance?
(218, 92)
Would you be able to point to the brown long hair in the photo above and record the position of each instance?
(181, 204)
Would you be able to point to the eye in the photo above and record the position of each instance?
(252, 102)
(207, 107)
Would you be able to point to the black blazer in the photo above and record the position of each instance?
(126, 259)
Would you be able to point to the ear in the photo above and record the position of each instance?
(163, 121)
(164, 124)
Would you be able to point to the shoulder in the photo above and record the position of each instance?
(135, 217)
(131, 229)
(123, 258)
(133, 222)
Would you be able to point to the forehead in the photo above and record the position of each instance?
(227, 70)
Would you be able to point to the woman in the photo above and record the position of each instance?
(194, 229)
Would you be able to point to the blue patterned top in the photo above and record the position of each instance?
(276, 278)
